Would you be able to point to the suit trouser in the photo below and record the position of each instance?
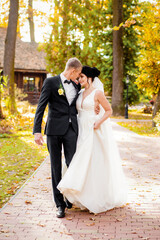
(54, 144)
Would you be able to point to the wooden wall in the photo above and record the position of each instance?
(33, 96)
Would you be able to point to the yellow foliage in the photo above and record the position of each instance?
(127, 24)
(149, 57)
(116, 28)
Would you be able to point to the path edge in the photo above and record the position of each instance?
(20, 189)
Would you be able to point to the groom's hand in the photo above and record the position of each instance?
(38, 138)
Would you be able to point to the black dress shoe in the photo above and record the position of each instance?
(68, 204)
(61, 212)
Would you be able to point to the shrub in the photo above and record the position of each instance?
(157, 120)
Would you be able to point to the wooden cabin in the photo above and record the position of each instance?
(30, 66)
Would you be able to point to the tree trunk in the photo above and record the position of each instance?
(9, 52)
(30, 19)
(117, 79)
(1, 112)
(156, 108)
(65, 25)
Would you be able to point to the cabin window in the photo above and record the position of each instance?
(31, 84)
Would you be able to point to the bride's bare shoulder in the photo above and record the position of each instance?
(99, 93)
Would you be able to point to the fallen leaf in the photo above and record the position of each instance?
(67, 233)
(41, 225)
(90, 224)
(69, 218)
(28, 202)
(4, 231)
(119, 219)
(156, 228)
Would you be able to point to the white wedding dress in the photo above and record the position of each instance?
(94, 179)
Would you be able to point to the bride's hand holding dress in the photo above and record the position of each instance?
(100, 99)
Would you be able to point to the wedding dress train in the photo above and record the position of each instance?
(95, 178)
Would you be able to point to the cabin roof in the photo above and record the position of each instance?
(27, 57)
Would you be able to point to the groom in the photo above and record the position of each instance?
(60, 93)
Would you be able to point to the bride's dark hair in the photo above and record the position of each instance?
(90, 72)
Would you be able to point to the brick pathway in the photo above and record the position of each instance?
(31, 213)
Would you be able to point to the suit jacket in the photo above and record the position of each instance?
(59, 110)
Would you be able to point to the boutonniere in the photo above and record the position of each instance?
(61, 90)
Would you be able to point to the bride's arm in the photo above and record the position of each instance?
(101, 99)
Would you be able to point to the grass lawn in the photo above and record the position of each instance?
(19, 158)
(137, 115)
(19, 155)
(142, 128)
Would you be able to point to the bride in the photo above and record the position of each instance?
(94, 179)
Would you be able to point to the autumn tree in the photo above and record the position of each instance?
(89, 33)
(9, 53)
(4, 16)
(77, 31)
(3, 84)
(117, 81)
(4, 13)
(30, 19)
(149, 57)
(130, 49)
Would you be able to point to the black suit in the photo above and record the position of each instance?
(58, 129)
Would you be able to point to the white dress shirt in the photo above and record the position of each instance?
(70, 90)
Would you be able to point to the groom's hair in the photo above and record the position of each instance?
(73, 63)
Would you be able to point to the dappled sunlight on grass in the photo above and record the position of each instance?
(142, 128)
(136, 114)
(23, 121)
(20, 157)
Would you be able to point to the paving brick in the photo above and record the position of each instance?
(139, 219)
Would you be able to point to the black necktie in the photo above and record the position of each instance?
(67, 81)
